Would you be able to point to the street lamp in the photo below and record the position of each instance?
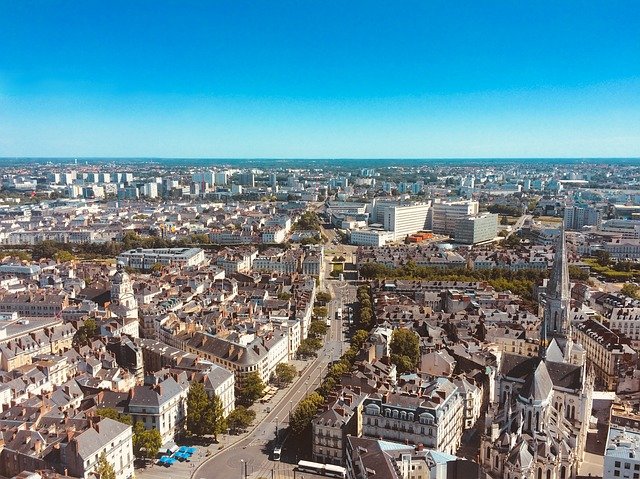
(290, 408)
(276, 429)
(243, 469)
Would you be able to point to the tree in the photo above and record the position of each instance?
(359, 338)
(405, 349)
(240, 418)
(320, 311)
(63, 256)
(603, 257)
(252, 389)
(284, 296)
(214, 421)
(318, 328)
(630, 290)
(304, 413)
(104, 469)
(86, 332)
(197, 402)
(323, 297)
(112, 413)
(146, 443)
(365, 318)
(286, 373)
(577, 273)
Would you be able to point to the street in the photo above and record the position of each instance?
(254, 451)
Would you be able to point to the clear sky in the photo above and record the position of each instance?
(320, 78)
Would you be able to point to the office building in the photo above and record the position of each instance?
(444, 216)
(476, 229)
(403, 220)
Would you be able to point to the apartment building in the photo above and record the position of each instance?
(576, 217)
(626, 320)
(608, 353)
(162, 406)
(434, 419)
(107, 436)
(342, 417)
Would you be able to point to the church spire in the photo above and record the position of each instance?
(558, 297)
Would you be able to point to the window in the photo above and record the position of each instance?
(617, 464)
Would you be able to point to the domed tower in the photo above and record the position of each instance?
(123, 301)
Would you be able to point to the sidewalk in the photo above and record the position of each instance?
(186, 470)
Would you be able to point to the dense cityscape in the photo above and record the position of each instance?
(406, 319)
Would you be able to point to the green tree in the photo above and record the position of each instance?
(197, 402)
(577, 273)
(318, 328)
(304, 413)
(63, 256)
(85, 333)
(359, 338)
(320, 311)
(323, 297)
(630, 290)
(603, 257)
(365, 318)
(284, 296)
(286, 373)
(214, 420)
(104, 470)
(405, 349)
(112, 413)
(240, 418)
(146, 443)
(252, 389)
(199, 239)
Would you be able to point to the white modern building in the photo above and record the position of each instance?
(370, 237)
(622, 455)
(403, 220)
(145, 259)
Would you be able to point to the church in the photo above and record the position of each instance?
(537, 422)
(123, 308)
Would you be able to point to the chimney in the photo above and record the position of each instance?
(419, 447)
(38, 446)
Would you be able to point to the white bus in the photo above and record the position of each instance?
(277, 453)
(324, 469)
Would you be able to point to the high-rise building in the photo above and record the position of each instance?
(404, 220)
(476, 229)
(575, 217)
(444, 215)
(248, 179)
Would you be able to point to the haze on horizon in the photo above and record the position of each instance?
(359, 79)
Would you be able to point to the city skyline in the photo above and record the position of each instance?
(291, 80)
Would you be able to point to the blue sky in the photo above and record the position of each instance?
(319, 79)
